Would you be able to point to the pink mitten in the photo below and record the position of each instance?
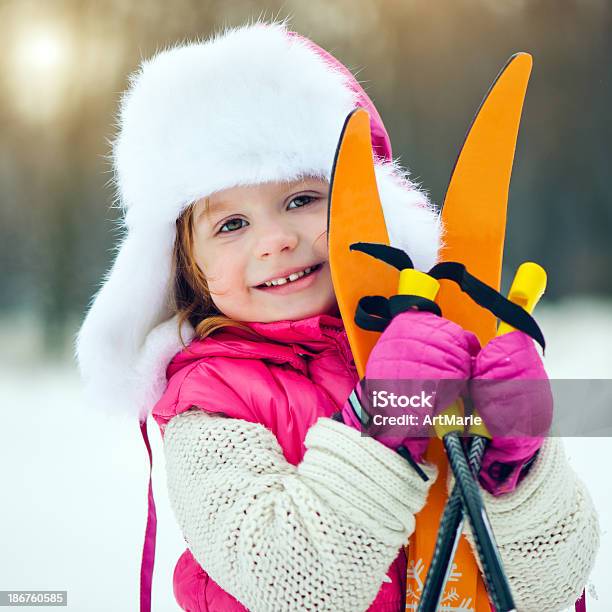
(419, 355)
(512, 393)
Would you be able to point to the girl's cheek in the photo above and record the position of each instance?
(319, 233)
(223, 277)
(319, 245)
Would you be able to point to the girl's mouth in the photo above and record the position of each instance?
(293, 285)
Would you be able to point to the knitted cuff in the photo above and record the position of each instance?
(547, 531)
(363, 477)
(549, 486)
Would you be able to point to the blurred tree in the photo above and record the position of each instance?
(426, 65)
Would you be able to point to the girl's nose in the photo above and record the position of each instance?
(275, 238)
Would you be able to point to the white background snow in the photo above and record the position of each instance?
(74, 482)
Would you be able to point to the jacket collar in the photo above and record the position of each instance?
(278, 341)
(313, 333)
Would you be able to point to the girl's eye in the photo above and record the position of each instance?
(305, 199)
(228, 223)
(302, 200)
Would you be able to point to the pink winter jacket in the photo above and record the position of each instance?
(283, 375)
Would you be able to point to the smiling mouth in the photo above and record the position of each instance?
(290, 279)
(294, 280)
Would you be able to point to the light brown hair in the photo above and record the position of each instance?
(192, 298)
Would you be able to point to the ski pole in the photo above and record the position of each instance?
(527, 288)
(419, 290)
(416, 283)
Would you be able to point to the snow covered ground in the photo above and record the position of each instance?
(74, 482)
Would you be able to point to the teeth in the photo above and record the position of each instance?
(288, 279)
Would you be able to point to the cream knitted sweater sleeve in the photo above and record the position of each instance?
(547, 531)
(317, 536)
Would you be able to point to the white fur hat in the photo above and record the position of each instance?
(255, 104)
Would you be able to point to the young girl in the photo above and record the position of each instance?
(219, 316)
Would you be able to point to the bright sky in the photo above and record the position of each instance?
(40, 62)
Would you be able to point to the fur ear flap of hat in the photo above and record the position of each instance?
(254, 104)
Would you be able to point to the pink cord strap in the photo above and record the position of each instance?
(581, 603)
(148, 549)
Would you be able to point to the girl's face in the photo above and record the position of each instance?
(268, 232)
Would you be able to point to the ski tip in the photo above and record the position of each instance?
(521, 57)
(357, 116)
(357, 120)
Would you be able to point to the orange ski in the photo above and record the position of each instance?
(474, 217)
(474, 211)
(355, 214)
